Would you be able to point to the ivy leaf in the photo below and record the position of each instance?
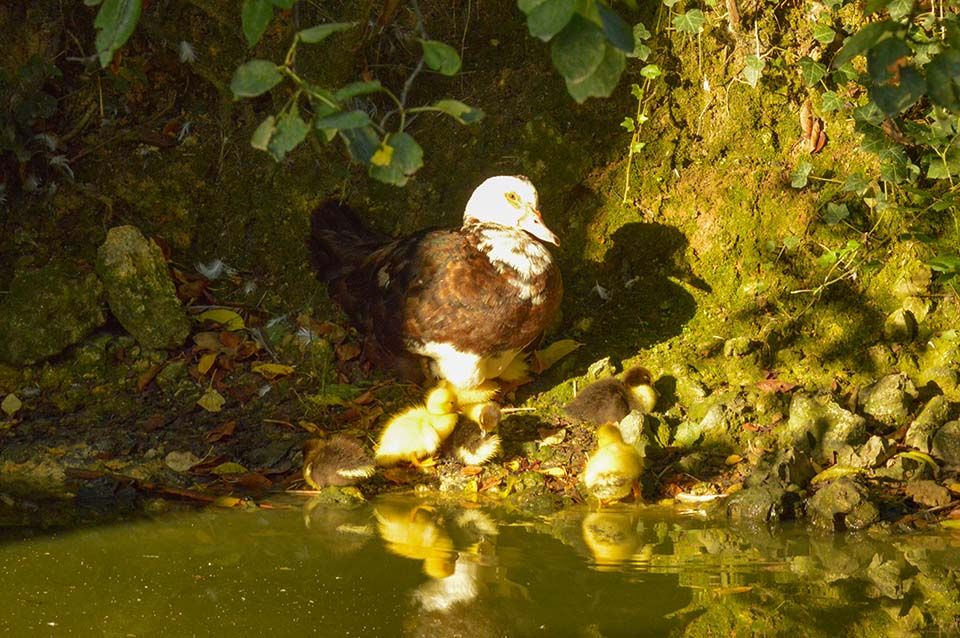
(856, 183)
(603, 80)
(321, 32)
(618, 32)
(690, 22)
(753, 69)
(811, 71)
(896, 98)
(823, 34)
(628, 124)
(406, 159)
(254, 78)
(798, 178)
(669, 3)
(900, 8)
(836, 213)
(255, 15)
(291, 130)
(578, 49)
(440, 57)
(343, 120)
(827, 259)
(459, 111)
(943, 77)
(650, 71)
(355, 89)
(830, 101)
(945, 263)
(548, 19)
(115, 23)
(862, 40)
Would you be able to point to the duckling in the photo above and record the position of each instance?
(609, 400)
(340, 460)
(472, 445)
(613, 469)
(416, 433)
(477, 403)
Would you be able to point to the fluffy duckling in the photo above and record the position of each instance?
(339, 460)
(613, 470)
(477, 403)
(416, 433)
(609, 400)
(472, 445)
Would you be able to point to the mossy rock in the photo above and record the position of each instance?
(139, 289)
(48, 310)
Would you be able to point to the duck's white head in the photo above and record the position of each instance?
(511, 201)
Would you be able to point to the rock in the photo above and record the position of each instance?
(928, 493)
(689, 387)
(600, 370)
(841, 505)
(821, 426)
(889, 400)
(47, 310)
(935, 413)
(886, 577)
(946, 379)
(139, 289)
(900, 326)
(946, 443)
(869, 455)
(767, 504)
(785, 467)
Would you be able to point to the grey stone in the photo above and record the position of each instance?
(869, 455)
(139, 290)
(840, 505)
(934, 414)
(821, 426)
(928, 493)
(47, 310)
(889, 400)
(757, 505)
(900, 326)
(946, 443)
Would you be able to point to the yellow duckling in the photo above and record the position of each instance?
(477, 403)
(613, 470)
(416, 433)
(339, 460)
(609, 400)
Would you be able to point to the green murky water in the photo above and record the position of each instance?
(403, 566)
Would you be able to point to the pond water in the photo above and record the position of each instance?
(408, 566)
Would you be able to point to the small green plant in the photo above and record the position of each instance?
(391, 154)
(589, 42)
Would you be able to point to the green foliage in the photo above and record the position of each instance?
(391, 156)
(753, 69)
(115, 23)
(589, 43)
(690, 22)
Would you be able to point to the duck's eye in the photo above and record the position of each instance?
(513, 198)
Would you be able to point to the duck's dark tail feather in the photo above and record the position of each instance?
(339, 240)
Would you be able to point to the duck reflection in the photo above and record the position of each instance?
(613, 539)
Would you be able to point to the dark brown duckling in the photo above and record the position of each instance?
(472, 445)
(609, 400)
(339, 460)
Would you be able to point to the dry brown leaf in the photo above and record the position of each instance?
(154, 422)
(348, 351)
(221, 432)
(148, 376)
(470, 470)
(253, 481)
(207, 341)
(806, 118)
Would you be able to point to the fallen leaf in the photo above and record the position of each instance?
(470, 470)
(11, 404)
(221, 432)
(271, 371)
(920, 457)
(230, 340)
(206, 362)
(207, 341)
(309, 426)
(147, 377)
(553, 471)
(230, 467)
(181, 461)
(553, 439)
(775, 385)
(253, 481)
(348, 351)
(543, 359)
(228, 501)
(229, 319)
(211, 401)
(951, 523)
(733, 459)
(154, 423)
(806, 118)
(835, 472)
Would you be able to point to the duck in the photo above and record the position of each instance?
(610, 400)
(416, 434)
(613, 469)
(467, 301)
(339, 460)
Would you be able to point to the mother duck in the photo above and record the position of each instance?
(468, 299)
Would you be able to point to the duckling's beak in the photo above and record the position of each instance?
(532, 222)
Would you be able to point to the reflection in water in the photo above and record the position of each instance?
(404, 566)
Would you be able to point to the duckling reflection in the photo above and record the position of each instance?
(415, 530)
(613, 539)
(341, 529)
